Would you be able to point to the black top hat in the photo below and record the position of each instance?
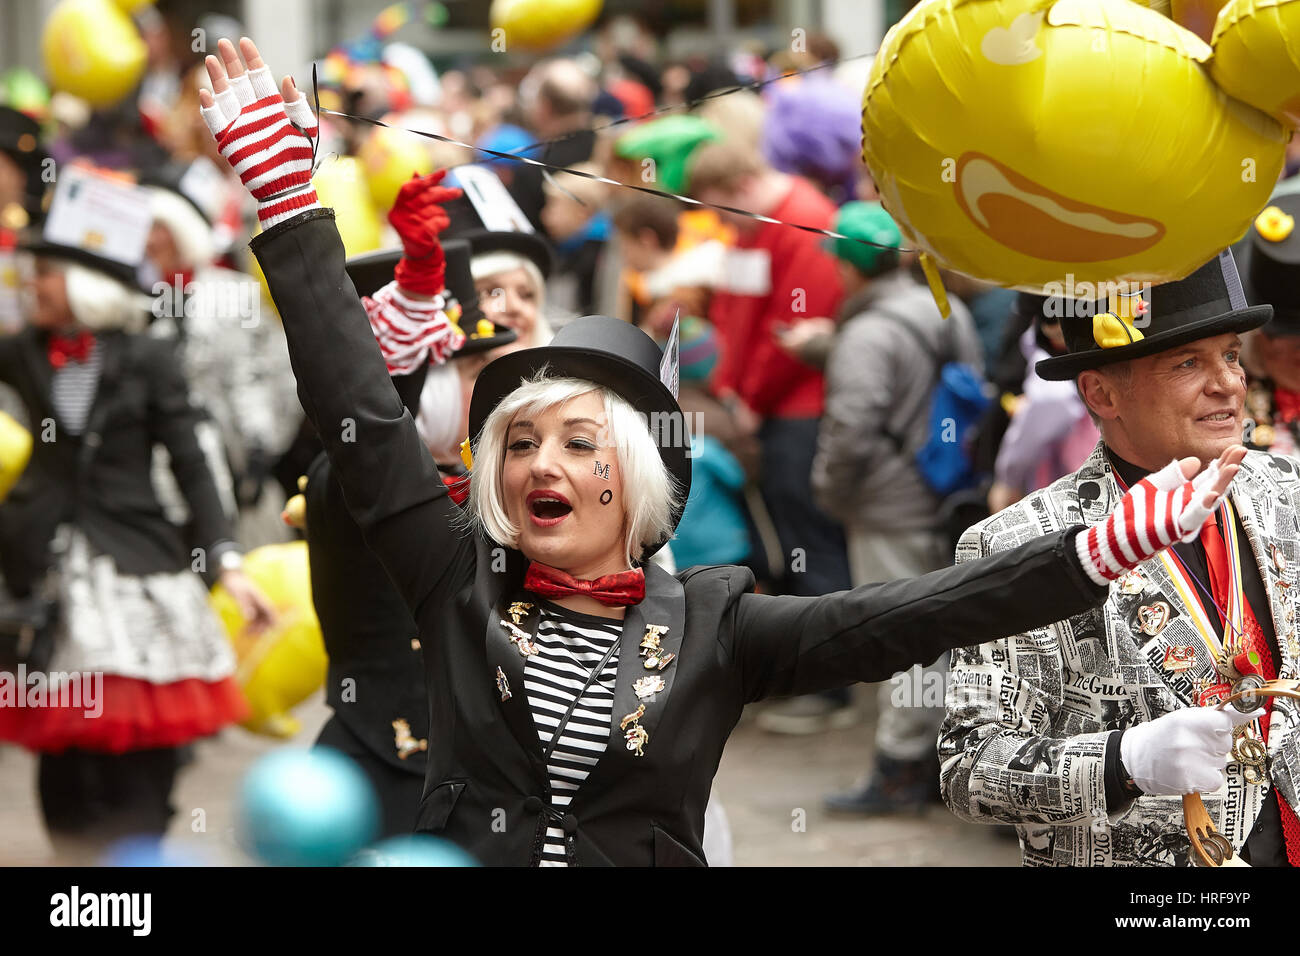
(609, 352)
(371, 271)
(33, 242)
(1272, 273)
(467, 224)
(1208, 302)
(171, 177)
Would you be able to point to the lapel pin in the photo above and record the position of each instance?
(521, 639)
(647, 687)
(503, 685)
(1179, 657)
(517, 610)
(404, 742)
(650, 642)
(636, 735)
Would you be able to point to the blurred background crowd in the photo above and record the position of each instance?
(816, 371)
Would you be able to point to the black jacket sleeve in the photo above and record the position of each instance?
(174, 422)
(797, 645)
(389, 480)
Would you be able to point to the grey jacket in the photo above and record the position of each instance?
(879, 381)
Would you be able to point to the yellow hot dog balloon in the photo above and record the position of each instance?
(281, 668)
(1257, 55)
(1036, 143)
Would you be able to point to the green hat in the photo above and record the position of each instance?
(669, 141)
(869, 221)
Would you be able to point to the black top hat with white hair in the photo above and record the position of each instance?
(490, 220)
(1207, 303)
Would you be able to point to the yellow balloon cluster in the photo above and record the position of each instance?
(282, 667)
(341, 184)
(15, 452)
(542, 24)
(92, 50)
(1038, 142)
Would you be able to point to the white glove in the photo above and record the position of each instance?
(1183, 751)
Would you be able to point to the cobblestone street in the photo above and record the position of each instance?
(769, 785)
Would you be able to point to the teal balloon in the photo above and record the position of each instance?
(306, 808)
(414, 850)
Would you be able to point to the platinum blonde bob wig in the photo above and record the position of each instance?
(650, 491)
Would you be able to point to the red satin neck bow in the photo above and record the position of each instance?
(612, 590)
(70, 348)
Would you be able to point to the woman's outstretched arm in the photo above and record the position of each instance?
(390, 483)
(796, 645)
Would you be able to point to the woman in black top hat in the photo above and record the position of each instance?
(542, 623)
(375, 686)
(141, 657)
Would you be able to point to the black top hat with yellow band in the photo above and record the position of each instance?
(609, 352)
(371, 271)
(1208, 302)
(1272, 274)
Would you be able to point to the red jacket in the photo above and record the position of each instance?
(777, 274)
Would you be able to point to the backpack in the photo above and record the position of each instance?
(958, 400)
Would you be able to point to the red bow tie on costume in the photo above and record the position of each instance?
(612, 590)
(457, 487)
(70, 348)
(1287, 404)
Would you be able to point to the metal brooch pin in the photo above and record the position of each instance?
(521, 640)
(503, 685)
(647, 687)
(636, 735)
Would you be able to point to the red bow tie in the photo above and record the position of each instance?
(1287, 404)
(457, 487)
(612, 590)
(70, 348)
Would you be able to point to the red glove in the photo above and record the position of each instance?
(418, 217)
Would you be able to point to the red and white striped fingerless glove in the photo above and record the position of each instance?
(268, 142)
(1160, 509)
(410, 331)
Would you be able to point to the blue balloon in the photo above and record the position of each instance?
(418, 849)
(306, 808)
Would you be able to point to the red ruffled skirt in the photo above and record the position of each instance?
(111, 714)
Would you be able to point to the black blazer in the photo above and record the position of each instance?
(486, 786)
(100, 479)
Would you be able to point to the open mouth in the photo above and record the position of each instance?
(548, 508)
(1218, 418)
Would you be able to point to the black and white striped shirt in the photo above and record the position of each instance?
(569, 646)
(72, 390)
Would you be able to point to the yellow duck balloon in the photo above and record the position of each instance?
(1044, 143)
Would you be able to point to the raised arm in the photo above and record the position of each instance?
(793, 645)
(390, 483)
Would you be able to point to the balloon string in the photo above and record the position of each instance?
(744, 213)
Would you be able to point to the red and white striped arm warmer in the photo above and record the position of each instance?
(410, 331)
(1160, 509)
(268, 142)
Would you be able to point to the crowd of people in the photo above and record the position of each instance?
(837, 433)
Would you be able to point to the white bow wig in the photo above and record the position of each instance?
(650, 492)
(190, 231)
(100, 303)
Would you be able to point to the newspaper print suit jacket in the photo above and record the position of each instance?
(1028, 716)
